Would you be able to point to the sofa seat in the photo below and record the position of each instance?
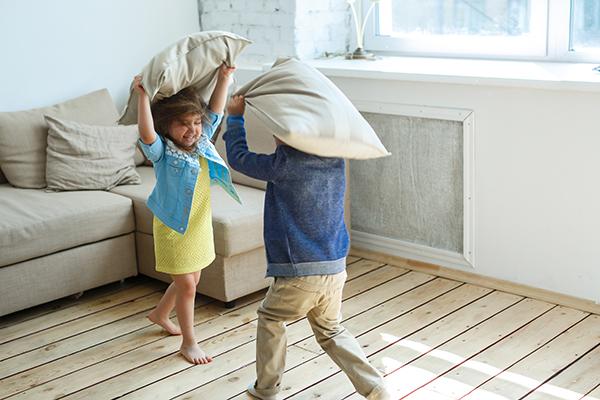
(237, 228)
(36, 223)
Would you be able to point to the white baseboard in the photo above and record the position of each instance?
(409, 250)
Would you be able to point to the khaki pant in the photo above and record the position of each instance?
(319, 298)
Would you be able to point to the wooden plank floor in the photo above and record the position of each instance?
(433, 338)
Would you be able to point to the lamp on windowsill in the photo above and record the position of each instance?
(360, 53)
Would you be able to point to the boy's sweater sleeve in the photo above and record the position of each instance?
(259, 166)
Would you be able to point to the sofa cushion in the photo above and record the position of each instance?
(139, 158)
(191, 61)
(139, 194)
(35, 223)
(237, 228)
(23, 135)
(307, 111)
(89, 157)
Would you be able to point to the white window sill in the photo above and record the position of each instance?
(542, 75)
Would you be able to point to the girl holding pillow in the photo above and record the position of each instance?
(175, 135)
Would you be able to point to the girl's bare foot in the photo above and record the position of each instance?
(165, 323)
(194, 354)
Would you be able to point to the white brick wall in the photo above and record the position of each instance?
(300, 28)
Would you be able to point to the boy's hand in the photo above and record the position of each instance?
(137, 85)
(236, 106)
(225, 72)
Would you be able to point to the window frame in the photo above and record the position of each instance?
(554, 46)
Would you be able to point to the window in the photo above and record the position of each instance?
(559, 30)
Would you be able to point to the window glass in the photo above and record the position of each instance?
(585, 25)
(460, 17)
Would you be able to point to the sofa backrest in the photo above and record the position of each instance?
(260, 140)
(23, 134)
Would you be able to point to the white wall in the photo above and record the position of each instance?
(59, 49)
(269, 24)
(321, 26)
(280, 28)
(536, 188)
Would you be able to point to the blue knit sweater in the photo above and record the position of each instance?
(304, 229)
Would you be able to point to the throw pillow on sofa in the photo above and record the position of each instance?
(298, 104)
(89, 157)
(139, 158)
(23, 135)
(191, 61)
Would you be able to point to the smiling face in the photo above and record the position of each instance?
(185, 130)
(179, 118)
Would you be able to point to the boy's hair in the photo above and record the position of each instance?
(185, 101)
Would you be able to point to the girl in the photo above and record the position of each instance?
(175, 135)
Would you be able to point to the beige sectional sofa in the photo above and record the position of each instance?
(56, 244)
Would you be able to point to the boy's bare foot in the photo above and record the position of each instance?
(194, 354)
(165, 323)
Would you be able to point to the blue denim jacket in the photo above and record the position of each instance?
(304, 229)
(176, 174)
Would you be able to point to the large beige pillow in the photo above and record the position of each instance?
(90, 157)
(191, 61)
(307, 111)
(23, 135)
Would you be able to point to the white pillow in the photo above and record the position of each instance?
(307, 111)
(191, 61)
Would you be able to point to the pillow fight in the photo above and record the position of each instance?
(178, 102)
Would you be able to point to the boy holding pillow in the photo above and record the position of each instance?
(306, 243)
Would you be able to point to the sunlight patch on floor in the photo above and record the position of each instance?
(398, 372)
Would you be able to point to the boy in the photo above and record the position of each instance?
(306, 243)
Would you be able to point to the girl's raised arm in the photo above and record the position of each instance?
(219, 95)
(145, 122)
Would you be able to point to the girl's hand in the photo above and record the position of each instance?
(137, 85)
(236, 106)
(225, 72)
(219, 95)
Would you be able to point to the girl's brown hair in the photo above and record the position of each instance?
(165, 111)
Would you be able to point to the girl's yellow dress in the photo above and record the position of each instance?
(195, 249)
